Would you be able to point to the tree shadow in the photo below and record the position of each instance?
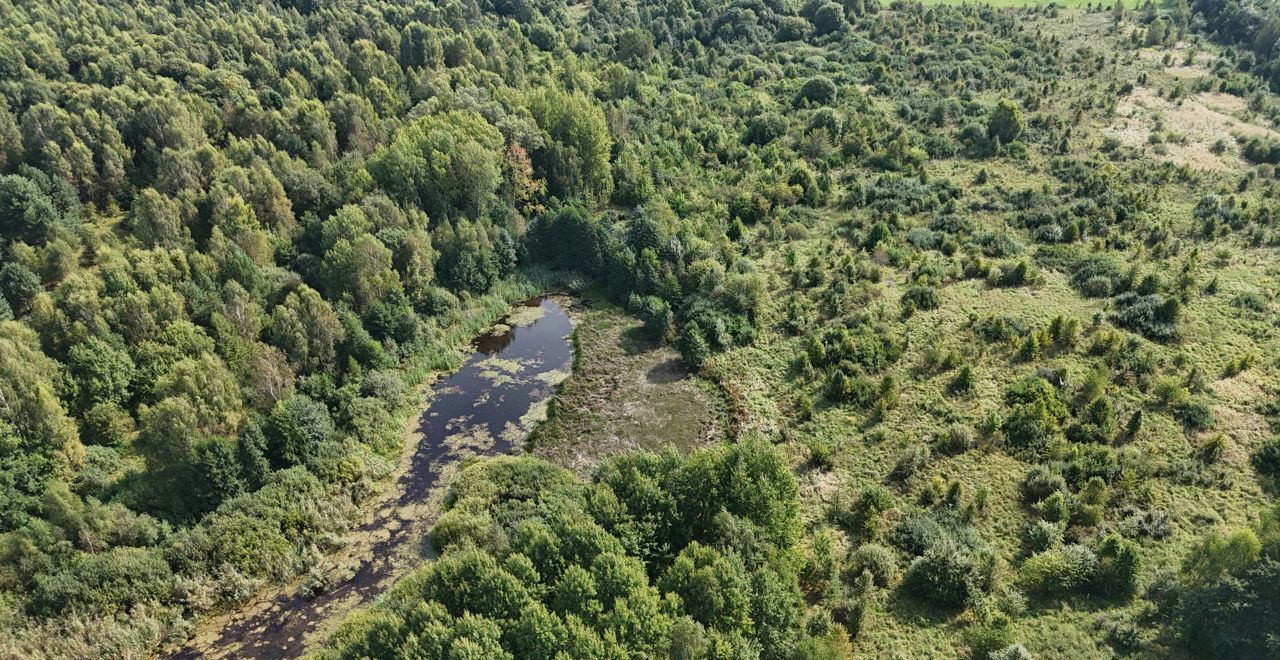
(668, 371)
(904, 607)
(635, 341)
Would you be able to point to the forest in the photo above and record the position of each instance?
(989, 295)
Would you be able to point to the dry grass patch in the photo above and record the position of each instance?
(1196, 124)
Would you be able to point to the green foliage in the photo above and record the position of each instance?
(828, 18)
(945, 576)
(921, 297)
(693, 346)
(18, 286)
(877, 560)
(567, 579)
(656, 314)
(113, 581)
(1236, 617)
(986, 640)
(446, 163)
(1035, 416)
(765, 128)
(1266, 458)
(296, 428)
(1005, 124)
(102, 372)
(1058, 570)
(1217, 555)
(1153, 315)
(817, 91)
(860, 512)
(27, 212)
(575, 158)
(1096, 423)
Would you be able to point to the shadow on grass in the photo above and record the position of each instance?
(635, 341)
(903, 607)
(666, 372)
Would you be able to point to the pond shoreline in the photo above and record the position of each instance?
(484, 407)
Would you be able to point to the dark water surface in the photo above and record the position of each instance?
(487, 407)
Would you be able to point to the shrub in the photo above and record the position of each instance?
(656, 314)
(876, 559)
(1213, 449)
(986, 639)
(1123, 633)
(107, 582)
(1118, 567)
(820, 454)
(922, 238)
(1043, 535)
(749, 206)
(1030, 426)
(1152, 523)
(1266, 458)
(1134, 426)
(828, 18)
(1058, 570)
(765, 128)
(818, 90)
(296, 428)
(1095, 287)
(946, 575)
(920, 532)
(1216, 555)
(1152, 315)
(693, 346)
(963, 382)
(1195, 415)
(1096, 423)
(1019, 274)
(859, 514)
(791, 28)
(921, 296)
(106, 424)
(913, 457)
(1012, 652)
(1098, 275)
(1036, 414)
(1005, 123)
(1170, 392)
(957, 439)
(1056, 507)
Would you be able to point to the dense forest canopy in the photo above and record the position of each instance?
(910, 243)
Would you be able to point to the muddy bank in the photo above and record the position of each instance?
(487, 407)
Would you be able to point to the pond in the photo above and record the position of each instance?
(486, 407)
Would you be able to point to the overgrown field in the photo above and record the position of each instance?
(628, 393)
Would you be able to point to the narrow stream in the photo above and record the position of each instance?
(487, 407)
